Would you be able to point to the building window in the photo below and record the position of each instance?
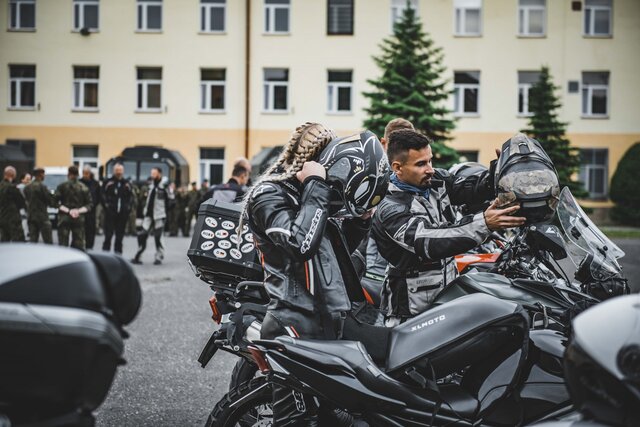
(597, 17)
(276, 16)
(466, 93)
(339, 91)
(468, 17)
(149, 15)
(276, 89)
(595, 94)
(593, 171)
(149, 89)
(532, 17)
(212, 165)
(22, 86)
(340, 17)
(86, 15)
(398, 7)
(86, 155)
(22, 14)
(212, 16)
(27, 146)
(468, 156)
(85, 88)
(212, 85)
(526, 79)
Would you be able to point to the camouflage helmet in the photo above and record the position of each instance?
(525, 174)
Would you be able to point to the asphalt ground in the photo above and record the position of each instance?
(162, 383)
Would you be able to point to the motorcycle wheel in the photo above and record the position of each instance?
(243, 371)
(249, 404)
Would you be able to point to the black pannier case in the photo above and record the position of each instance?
(219, 255)
(61, 336)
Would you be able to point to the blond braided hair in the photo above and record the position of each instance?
(305, 144)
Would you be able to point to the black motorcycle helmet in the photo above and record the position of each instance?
(358, 170)
(602, 362)
(525, 174)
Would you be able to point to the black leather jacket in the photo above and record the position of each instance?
(419, 237)
(305, 254)
(117, 196)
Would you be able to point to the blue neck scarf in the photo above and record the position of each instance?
(424, 192)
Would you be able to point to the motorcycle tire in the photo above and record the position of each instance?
(243, 371)
(249, 404)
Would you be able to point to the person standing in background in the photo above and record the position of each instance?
(154, 216)
(74, 202)
(90, 217)
(117, 197)
(25, 179)
(38, 199)
(193, 197)
(11, 201)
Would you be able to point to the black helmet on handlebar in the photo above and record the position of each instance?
(525, 174)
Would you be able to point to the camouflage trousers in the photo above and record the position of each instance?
(37, 228)
(11, 231)
(74, 229)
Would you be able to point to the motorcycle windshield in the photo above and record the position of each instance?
(583, 238)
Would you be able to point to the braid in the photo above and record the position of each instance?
(305, 144)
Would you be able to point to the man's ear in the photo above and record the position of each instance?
(396, 167)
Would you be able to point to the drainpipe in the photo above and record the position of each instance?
(247, 69)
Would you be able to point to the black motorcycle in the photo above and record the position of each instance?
(472, 361)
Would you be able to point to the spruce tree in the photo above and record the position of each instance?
(545, 127)
(411, 87)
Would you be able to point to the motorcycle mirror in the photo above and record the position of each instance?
(547, 237)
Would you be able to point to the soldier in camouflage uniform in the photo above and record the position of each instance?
(193, 197)
(74, 202)
(131, 224)
(39, 198)
(11, 201)
(181, 210)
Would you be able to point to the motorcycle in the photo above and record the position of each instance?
(504, 372)
(62, 318)
(549, 301)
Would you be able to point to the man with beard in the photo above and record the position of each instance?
(416, 230)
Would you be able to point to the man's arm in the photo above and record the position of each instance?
(416, 234)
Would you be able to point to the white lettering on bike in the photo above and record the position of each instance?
(428, 323)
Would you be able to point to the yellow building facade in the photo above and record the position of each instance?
(105, 75)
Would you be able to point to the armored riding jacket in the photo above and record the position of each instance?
(305, 253)
(419, 236)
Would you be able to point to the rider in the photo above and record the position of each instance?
(415, 227)
(306, 253)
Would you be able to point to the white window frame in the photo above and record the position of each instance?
(523, 18)
(270, 86)
(82, 161)
(19, 81)
(398, 7)
(590, 31)
(145, 83)
(81, 82)
(81, 4)
(205, 167)
(205, 89)
(142, 9)
(18, 4)
(463, 19)
(270, 9)
(332, 95)
(458, 110)
(589, 88)
(588, 168)
(205, 10)
(525, 88)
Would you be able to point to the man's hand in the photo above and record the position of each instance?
(74, 213)
(311, 168)
(499, 219)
